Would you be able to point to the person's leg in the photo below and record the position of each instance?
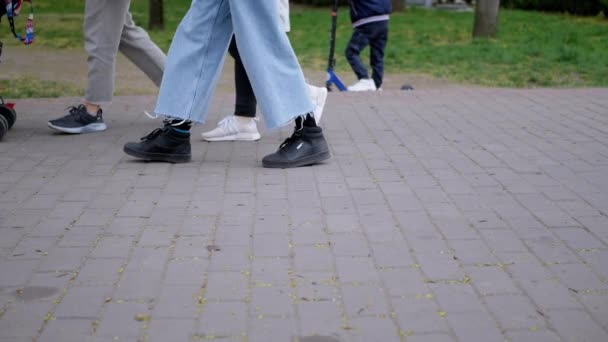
(245, 102)
(276, 76)
(377, 45)
(135, 43)
(195, 61)
(241, 125)
(193, 67)
(103, 24)
(278, 82)
(358, 42)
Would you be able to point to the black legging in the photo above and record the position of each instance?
(245, 103)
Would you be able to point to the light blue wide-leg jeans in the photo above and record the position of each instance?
(199, 49)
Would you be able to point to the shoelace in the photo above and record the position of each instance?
(76, 110)
(155, 133)
(166, 121)
(295, 136)
(228, 122)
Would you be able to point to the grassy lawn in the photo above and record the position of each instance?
(532, 49)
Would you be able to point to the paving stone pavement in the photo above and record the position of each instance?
(460, 214)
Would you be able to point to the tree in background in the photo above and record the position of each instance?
(486, 18)
(398, 5)
(157, 18)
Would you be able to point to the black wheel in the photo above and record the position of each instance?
(9, 114)
(3, 127)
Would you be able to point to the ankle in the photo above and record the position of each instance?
(243, 120)
(92, 109)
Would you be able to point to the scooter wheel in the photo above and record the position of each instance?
(9, 114)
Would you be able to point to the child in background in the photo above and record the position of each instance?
(370, 22)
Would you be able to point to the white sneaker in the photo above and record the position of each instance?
(233, 128)
(318, 96)
(364, 84)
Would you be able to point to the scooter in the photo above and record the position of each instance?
(332, 77)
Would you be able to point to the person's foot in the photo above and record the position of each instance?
(232, 128)
(364, 84)
(166, 144)
(306, 146)
(318, 96)
(78, 120)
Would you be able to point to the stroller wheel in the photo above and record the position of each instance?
(8, 114)
(3, 127)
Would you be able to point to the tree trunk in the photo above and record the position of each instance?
(486, 18)
(157, 20)
(398, 5)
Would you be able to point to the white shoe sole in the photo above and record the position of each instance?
(319, 101)
(97, 127)
(235, 137)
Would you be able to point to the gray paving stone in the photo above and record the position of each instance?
(270, 245)
(162, 330)
(456, 297)
(112, 247)
(577, 277)
(575, 325)
(356, 269)
(23, 319)
(373, 328)
(419, 314)
(271, 270)
(316, 287)
(492, 279)
(120, 319)
(351, 244)
(271, 300)
(444, 208)
(83, 302)
(402, 282)
(67, 330)
(515, 312)
(364, 300)
(99, 272)
(474, 326)
(138, 285)
(224, 286)
(533, 336)
(431, 338)
(271, 329)
(186, 271)
(178, 302)
(315, 257)
(320, 318)
(223, 319)
(63, 259)
(79, 236)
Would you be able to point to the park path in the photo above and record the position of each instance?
(446, 214)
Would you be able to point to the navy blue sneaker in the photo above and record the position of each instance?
(78, 121)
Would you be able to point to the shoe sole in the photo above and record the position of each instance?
(320, 105)
(92, 128)
(169, 158)
(310, 160)
(236, 137)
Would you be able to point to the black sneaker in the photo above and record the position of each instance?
(162, 144)
(78, 120)
(306, 146)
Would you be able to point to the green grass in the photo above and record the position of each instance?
(30, 87)
(532, 49)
